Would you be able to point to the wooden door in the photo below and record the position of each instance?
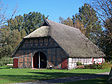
(65, 64)
(15, 62)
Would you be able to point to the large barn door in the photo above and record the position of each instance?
(15, 63)
(39, 60)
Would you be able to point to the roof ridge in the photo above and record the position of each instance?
(50, 21)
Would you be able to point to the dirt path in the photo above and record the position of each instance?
(68, 79)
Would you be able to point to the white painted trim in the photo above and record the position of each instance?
(32, 62)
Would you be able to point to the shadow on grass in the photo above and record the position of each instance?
(102, 80)
(53, 77)
(67, 77)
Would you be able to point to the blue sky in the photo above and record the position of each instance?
(53, 8)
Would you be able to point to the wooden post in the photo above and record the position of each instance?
(39, 60)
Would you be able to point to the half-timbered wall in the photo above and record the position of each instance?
(72, 62)
(54, 53)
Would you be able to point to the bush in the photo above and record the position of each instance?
(106, 65)
(87, 66)
(93, 66)
(5, 61)
(79, 63)
(98, 66)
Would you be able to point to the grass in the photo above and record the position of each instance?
(8, 75)
(102, 80)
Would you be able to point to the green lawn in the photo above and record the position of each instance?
(102, 80)
(24, 75)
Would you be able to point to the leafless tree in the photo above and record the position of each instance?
(3, 13)
(103, 9)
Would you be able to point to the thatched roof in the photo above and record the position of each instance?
(69, 38)
(40, 32)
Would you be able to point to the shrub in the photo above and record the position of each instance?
(79, 63)
(106, 65)
(93, 66)
(98, 66)
(87, 66)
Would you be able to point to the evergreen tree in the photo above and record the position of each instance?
(28, 22)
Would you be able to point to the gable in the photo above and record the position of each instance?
(44, 44)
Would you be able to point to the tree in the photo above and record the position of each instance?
(28, 22)
(78, 24)
(73, 23)
(10, 39)
(16, 23)
(104, 12)
(105, 41)
(5, 50)
(17, 28)
(67, 21)
(61, 20)
(4, 16)
(23, 33)
(103, 9)
(33, 20)
(87, 16)
(87, 21)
